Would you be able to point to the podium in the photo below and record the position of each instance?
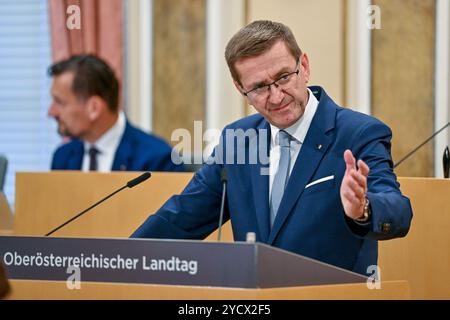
(183, 269)
(45, 200)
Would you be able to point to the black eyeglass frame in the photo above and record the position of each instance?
(297, 71)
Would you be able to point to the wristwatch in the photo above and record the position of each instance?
(366, 212)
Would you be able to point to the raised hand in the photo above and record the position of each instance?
(354, 186)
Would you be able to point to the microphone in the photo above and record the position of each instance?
(224, 179)
(136, 181)
(420, 145)
(130, 184)
(446, 162)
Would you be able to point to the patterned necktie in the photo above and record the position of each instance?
(282, 175)
(93, 164)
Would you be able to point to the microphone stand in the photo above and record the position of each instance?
(420, 146)
(84, 211)
(130, 184)
(222, 205)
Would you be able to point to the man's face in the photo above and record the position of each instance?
(284, 105)
(70, 113)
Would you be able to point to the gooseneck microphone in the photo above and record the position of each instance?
(130, 184)
(223, 178)
(420, 145)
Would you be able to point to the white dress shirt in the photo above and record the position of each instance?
(107, 146)
(298, 131)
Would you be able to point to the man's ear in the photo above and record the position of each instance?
(304, 64)
(95, 106)
(239, 88)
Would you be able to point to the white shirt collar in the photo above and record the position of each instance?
(300, 128)
(110, 140)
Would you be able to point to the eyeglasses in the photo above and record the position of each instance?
(262, 90)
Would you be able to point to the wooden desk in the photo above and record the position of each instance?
(45, 200)
(423, 256)
(22, 289)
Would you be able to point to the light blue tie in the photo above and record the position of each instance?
(282, 175)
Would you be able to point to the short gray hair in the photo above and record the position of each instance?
(257, 38)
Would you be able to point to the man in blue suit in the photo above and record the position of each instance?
(85, 104)
(293, 178)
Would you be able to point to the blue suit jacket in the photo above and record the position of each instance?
(137, 151)
(310, 220)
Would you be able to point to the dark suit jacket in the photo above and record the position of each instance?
(137, 151)
(310, 220)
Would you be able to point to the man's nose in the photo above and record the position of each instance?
(276, 95)
(52, 110)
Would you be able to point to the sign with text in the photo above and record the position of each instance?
(162, 262)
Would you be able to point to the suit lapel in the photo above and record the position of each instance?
(75, 160)
(311, 153)
(260, 181)
(122, 158)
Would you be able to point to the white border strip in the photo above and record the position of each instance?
(146, 59)
(359, 60)
(138, 86)
(442, 83)
(223, 102)
(319, 181)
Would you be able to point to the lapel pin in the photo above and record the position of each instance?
(319, 146)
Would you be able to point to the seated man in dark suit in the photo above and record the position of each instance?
(85, 104)
(304, 175)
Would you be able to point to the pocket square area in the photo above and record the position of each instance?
(319, 181)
